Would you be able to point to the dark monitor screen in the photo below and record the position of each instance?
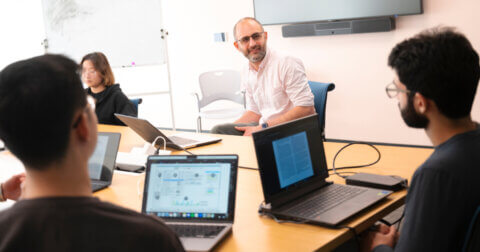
(290, 156)
(270, 12)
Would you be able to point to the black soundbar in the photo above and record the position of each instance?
(382, 24)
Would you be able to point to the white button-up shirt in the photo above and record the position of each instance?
(279, 85)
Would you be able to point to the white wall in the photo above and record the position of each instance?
(357, 109)
(22, 31)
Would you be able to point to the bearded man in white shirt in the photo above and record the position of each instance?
(276, 86)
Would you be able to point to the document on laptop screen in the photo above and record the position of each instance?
(95, 163)
(292, 157)
(189, 188)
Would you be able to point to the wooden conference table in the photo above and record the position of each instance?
(252, 232)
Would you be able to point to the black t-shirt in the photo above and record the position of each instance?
(112, 100)
(443, 197)
(81, 224)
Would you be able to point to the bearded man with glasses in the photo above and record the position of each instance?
(436, 79)
(276, 86)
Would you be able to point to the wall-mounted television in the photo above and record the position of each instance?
(270, 12)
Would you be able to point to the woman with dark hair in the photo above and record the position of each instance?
(98, 75)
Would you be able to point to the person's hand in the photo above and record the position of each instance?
(248, 130)
(12, 188)
(384, 234)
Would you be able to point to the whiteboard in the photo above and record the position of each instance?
(127, 32)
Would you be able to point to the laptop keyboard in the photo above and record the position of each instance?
(182, 141)
(327, 198)
(197, 231)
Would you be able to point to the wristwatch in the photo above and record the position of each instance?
(264, 125)
(1, 194)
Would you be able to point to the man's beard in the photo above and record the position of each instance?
(256, 57)
(411, 117)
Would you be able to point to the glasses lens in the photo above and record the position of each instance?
(391, 90)
(256, 36)
(245, 39)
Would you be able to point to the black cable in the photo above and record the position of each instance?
(385, 222)
(187, 151)
(399, 221)
(249, 168)
(346, 172)
(354, 166)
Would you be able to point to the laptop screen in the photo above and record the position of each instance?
(191, 187)
(290, 157)
(102, 161)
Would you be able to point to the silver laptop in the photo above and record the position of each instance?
(194, 195)
(102, 162)
(178, 141)
(293, 169)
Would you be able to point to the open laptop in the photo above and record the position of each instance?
(293, 169)
(178, 141)
(194, 195)
(102, 161)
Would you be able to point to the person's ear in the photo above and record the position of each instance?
(265, 34)
(82, 130)
(236, 44)
(421, 103)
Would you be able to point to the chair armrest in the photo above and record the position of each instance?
(198, 99)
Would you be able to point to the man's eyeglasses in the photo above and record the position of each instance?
(91, 104)
(256, 36)
(392, 90)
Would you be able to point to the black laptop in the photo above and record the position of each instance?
(194, 195)
(293, 169)
(102, 162)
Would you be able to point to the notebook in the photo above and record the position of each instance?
(178, 141)
(293, 169)
(194, 195)
(102, 161)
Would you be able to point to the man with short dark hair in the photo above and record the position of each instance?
(276, 86)
(46, 121)
(437, 74)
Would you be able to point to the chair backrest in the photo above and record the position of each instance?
(136, 102)
(220, 85)
(320, 91)
(472, 240)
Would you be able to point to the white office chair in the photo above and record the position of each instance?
(219, 85)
